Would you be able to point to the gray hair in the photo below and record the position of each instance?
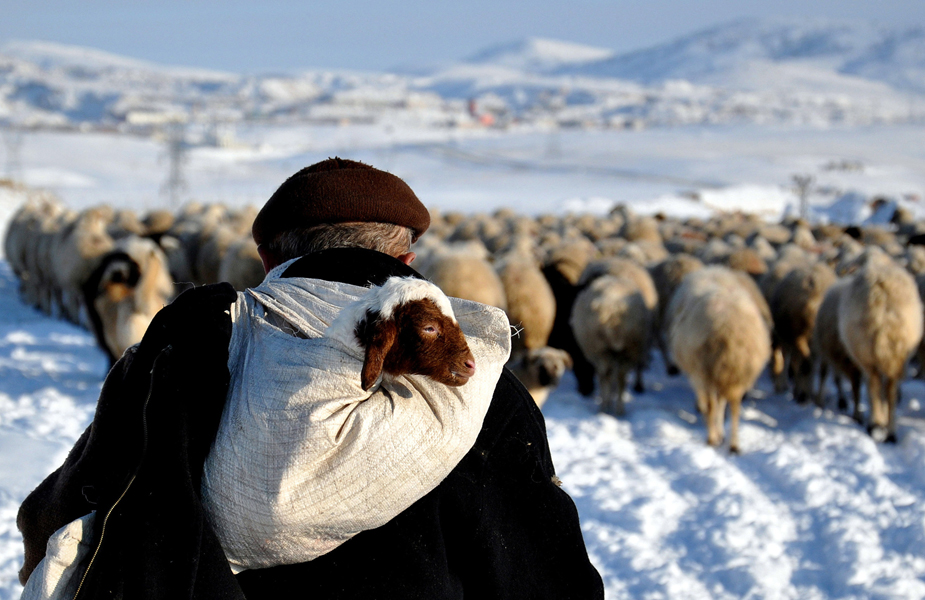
(387, 238)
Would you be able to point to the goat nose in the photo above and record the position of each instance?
(470, 365)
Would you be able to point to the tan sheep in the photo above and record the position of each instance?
(720, 340)
(465, 276)
(540, 370)
(612, 324)
(622, 267)
(129, 286)
(667, 276)
(531, 306)
(241, 265)
(880, 323)
(76, 252)
(794, 304)
(830, 352)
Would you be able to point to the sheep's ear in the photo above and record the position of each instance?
(378, 335)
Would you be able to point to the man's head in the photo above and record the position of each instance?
(339, 203)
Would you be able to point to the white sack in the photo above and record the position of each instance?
(305, 459)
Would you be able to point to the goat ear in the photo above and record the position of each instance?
(379, 337)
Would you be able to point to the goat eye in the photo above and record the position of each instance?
(430, 329)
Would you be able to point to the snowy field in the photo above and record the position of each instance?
(812, 508)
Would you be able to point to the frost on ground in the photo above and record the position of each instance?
(50, 377)
(813, 508)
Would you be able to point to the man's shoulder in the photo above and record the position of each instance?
(513, 430)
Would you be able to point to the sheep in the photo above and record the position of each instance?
(405, 326)
(612, 323)
(794, 304)
(880, 323)
(667, 276)
(540, 370)
(464, 276)
(531, 306)
(622, 267)
(241, 265)
(829, 351)
(720, 340)
(128, 287)
(562, 270)
(791, 257)
(74, 253)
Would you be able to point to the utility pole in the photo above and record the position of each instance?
(804, 186)
(175, 183)
(12, 141)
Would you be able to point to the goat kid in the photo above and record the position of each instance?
(406, 327)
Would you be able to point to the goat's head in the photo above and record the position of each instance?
(407, 327)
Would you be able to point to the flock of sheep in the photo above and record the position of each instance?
(721, 299)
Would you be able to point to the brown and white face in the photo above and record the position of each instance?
(418, 339)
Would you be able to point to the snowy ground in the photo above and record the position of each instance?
(812, 508)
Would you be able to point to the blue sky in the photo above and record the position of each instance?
(283, 35)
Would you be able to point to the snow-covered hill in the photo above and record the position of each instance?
(540, 55)
(718, 55)
(742, 72)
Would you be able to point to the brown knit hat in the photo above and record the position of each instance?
(340, 191)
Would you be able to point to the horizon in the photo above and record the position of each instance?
(284, 36)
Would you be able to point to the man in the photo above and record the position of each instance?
(498, 526)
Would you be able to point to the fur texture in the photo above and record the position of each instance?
(880, 323)
(721, 341)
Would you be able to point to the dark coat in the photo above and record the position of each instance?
(497, 527)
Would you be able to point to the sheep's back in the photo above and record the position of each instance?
(610, 319)
(880, 321)
(718, 335)
(468, 278)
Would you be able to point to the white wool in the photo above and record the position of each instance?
(384, 300)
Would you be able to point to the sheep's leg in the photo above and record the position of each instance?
(802, 380)
(877, 424)
(703, 401)
(670, 368)
(823, 374)
(856, 394)
(842, 401)
(619, 409)
(779, 369)
(735, 407)
(639, 387)
(892, 397)
(716, 409)
(584, 373)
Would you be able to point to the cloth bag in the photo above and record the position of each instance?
(304, 459)
(57, 576)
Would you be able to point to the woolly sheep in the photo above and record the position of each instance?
(540, 370)
(406, 326)
(128, 287)
(612, 323)
(241, 265)
(794, 304)
(830, 352)
(531, 306)
(468, 277)
(880, 323)
(667, 276)
(720, 340)
(76, 251)
(621, 267)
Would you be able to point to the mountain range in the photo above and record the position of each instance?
(747, 70)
